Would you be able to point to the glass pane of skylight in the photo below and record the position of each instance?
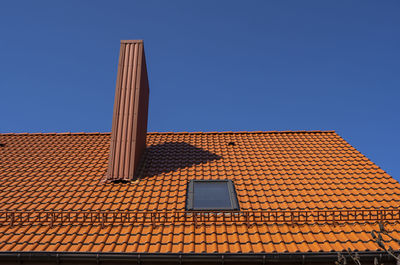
(211, 195)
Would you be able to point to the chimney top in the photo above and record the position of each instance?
(131, 41)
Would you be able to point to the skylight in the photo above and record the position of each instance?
(211, 195)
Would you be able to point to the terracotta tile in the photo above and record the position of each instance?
(279, 170)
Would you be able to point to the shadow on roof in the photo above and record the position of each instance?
(172, 156)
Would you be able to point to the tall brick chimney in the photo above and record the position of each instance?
(129, 126)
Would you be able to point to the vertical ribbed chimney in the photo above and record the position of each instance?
(129, 126)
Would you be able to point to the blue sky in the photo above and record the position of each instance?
(213, 66)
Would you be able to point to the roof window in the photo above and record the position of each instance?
(211, 195)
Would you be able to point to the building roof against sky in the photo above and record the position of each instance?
(306, 171)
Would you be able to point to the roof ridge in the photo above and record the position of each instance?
(247, 132)
(155, 133)
(55, 133)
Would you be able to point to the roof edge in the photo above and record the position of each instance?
(291, 257)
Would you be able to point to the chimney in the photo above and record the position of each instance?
(129, 125)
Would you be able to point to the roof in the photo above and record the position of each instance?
(293, 174)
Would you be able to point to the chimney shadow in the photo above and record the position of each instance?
(172, 156)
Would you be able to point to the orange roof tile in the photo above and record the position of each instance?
(272, 171)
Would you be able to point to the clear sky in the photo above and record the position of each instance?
(213, 66)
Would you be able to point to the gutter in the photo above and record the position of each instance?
(189, 258)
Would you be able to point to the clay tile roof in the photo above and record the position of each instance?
(290, 186)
